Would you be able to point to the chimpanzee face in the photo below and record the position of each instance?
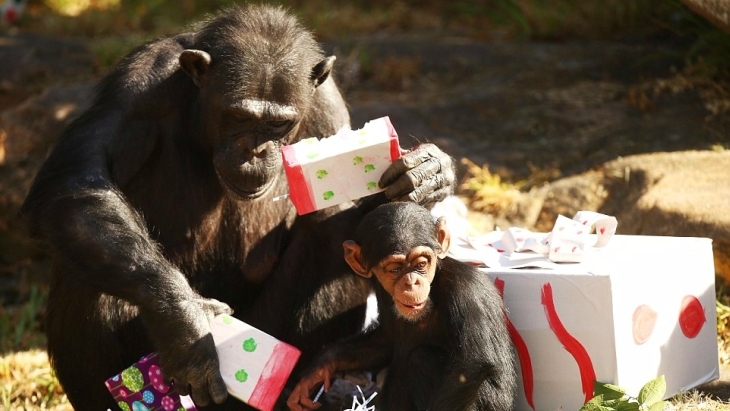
(401, 245)
(247, 135)
(407, 278)
(250, 106)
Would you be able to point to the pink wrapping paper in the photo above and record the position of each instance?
(254, 366)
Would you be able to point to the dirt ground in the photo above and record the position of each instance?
(523, 108)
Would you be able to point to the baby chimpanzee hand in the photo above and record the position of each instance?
(425, 176)
(188, 358)
(300, 398)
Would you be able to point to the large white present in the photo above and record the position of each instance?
(634, 309)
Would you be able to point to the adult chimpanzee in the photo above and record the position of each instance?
(157, 203)
(442, 331)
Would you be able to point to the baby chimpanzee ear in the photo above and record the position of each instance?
(353, 256)
(322, 70)
(444, 236)
(195, 63)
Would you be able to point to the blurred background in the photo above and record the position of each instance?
(526, 95)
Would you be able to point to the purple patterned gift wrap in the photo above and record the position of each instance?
(141, 388)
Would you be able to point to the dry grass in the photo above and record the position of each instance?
(26, 380)
(693, 400)
(27, 383)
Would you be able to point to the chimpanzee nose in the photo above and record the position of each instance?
(412, 278)
(261, 150)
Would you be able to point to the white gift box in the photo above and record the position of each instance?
(637, 308)
(254, 365)
(346, 166)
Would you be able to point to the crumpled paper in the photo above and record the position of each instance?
(515, 247)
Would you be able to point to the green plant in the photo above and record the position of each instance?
(610, 397)
(19, 327)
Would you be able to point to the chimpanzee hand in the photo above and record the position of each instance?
(300, 398)
(188, 358)
(425, 175)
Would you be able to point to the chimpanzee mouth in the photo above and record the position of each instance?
(252, 190)
(412, 312)
(417, 306)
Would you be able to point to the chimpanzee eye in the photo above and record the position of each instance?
(279, 126)
(421, 265)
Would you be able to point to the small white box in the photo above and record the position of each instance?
(254, 365)
(343, 167)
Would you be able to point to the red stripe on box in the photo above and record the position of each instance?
(273, 377)
(571, 344)
(522, 352)
(300, 193)
(394, 146)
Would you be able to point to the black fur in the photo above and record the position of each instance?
(459, 356)
(143, 232)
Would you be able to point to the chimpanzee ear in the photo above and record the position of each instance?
(444, 236)
(353, 256)
(322, 70)
(196, 64)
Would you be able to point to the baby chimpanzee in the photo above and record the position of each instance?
(441, 328)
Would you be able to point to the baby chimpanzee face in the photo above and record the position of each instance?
(407, 278)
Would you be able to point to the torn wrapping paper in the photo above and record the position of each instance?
(254, 366)
(570, 241)
(344, 167)
(632, 308)
(141, 388)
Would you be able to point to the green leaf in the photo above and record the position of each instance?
(608, 391)
(659, 406)
(616, 403)
(597, 400)
(628, 406)
(594, 407)
(653, 391)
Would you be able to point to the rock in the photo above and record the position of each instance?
(27, 132)
(30, 129)
(30, 63)
(716, 12)
(683, 194)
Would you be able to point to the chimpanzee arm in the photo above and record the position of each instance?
(370, 350)
(481, 369)
(100, 242)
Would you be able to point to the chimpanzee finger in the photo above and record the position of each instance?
(422, 193)
(436, 196)
(299, 399)
(214, 307)
(200, 395)
(402, 164)
(415, 179)
(410, 160)
(217, 388)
